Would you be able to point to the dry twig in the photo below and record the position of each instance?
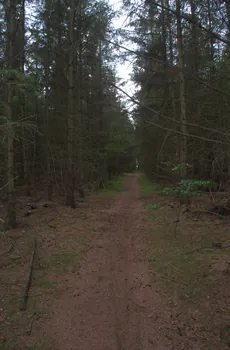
(28, 282)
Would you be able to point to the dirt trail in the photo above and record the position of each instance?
(112, 303)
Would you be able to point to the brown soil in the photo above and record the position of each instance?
(93, 286)
(112, 302)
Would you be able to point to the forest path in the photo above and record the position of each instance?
(112, 303)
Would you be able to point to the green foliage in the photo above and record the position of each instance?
(3, 233)
(23, 82)
(153, 207)
(61, 262)
(180, 167)
(148, 187)
(114, 186)
(158, 105)
(187, 188)
(177, 168)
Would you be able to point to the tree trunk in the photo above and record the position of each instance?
(183, 144)
(47, 150)
(194, 40)
(70, 199)
(11, 214)
(25, 154)
(164, 36)
(228, 54)
(171, 82)
(46, 131)
(210, 27)
(80, 114)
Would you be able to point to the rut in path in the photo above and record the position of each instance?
(113, 304)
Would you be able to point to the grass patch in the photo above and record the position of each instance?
(42, 346)
(114, 186)
(184, 276)
(62, 262)
(59, 251)
(147, 187)
(45, 284)
(83, 239)
(181, 272)
(14, 301)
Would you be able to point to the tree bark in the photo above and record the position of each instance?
(183, 129)
(194, 39)
(46, 131)
(171, 83)
(70, 199)
(80, 114)
(26, 172)
(11, 214)
(228, 55)
(212, 70)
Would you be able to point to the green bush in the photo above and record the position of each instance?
(188, 188)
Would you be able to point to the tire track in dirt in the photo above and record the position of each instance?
(112, 303)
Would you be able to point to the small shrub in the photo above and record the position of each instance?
(147, 187)
(153, 207)
(187, 188)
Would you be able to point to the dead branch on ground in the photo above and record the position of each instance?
(171, 279)
(28, 282)
(214, 246)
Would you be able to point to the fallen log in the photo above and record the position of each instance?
(28, 281)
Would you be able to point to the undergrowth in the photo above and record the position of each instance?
(147, 187)
(183, 272)
(114, 187)
(60, 249)
(62, 262)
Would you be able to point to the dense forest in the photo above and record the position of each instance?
(182, 68)
(64, 126)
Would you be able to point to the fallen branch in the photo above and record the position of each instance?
(12, 247)
(2, 188)
(178, 219)
(227, 246)
(28, 282)
(206, 212)
(29, 330)
(214, 246)
(198, 249)
(211, 195)
(170, 279)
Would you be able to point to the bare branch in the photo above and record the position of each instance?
(198, 24)
(166, 128)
